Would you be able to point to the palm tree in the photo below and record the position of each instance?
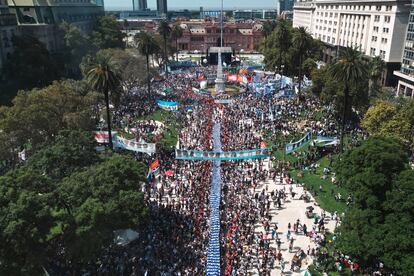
(176, 33)
(302, 42)
(146, 46)
(283, 39)
(103, 76)
(349, 70)
(376, 67)
(165, 30)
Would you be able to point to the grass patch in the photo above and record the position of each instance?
(170, 135)
(313, 181)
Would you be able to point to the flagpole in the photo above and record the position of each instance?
(221, 34)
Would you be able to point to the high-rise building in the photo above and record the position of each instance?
(162, 6)
(42, 18)
(284, 5)
(8, 28)
(139, 5)
(376, 28)
(406, 74)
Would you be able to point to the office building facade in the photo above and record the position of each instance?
(42, 19)
(284, 5)
(8, 28)
(406, 74)
(162, 6)
(139, 5)
(376, 28)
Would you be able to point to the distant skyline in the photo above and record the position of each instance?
(195, 4)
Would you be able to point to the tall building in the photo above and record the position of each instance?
(139, 5)
(162, 6)
(8, 28)
(284, 5)
(42, 18)
(406, 74)
(375, 27)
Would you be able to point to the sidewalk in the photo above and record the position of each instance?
(292, 210)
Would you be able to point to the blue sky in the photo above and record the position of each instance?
(196, 4)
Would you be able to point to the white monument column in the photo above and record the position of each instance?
(220, 82)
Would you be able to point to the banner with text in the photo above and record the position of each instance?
(222, 156)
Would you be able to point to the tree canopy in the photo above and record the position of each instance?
(66, 190)
(391, 120)
(379, 223)
(37, 116)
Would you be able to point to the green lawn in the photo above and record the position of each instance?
(325, 199)
(170, 135)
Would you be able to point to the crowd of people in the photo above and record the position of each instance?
(175, 241)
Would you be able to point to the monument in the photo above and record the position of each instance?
(220, 82)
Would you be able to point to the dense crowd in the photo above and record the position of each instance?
(175, 240)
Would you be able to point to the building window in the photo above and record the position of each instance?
(386, 30)
(387, 19)
(384, 40)
(388, 8)
(374, 38)
(382, 54)
(377, 18)
(372, 52)
(376, 28)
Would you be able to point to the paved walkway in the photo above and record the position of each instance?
(292, 210)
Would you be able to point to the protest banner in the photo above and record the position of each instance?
(222, 156)
(292, 147)
(169, 106)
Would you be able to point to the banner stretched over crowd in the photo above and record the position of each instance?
(222, 156)
(324, 141)
(119, 142)
(292, 147)
(133, 145)
(169, 106)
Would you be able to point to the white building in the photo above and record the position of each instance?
(377, 28)
(406, 74)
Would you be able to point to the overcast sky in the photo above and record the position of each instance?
(196, 4)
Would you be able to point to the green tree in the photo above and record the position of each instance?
(379, 223)
(164, 30)
(391, 120)
(71, 151)
(146, 46)
(104, 77)
(76, 46)
(37, 116)
(276, 46)
(349, 69)
(30, 65)
(302, 41)
(399, 225)
(25, 223)
(375, 68)
(107, 33)
(103, 198)
(176, 33)
(377, 114)
(268, 27)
